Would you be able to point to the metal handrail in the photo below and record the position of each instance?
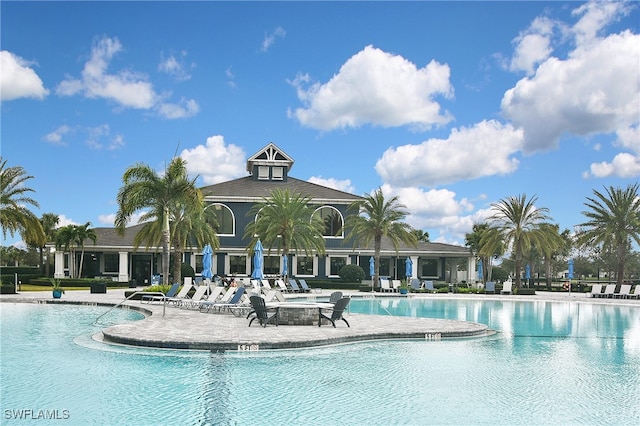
(149, 293)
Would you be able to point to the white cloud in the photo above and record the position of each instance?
(215, 161)
(18, 80)
(623, 165)
(127, 88)
(532, 46)
(271, 37)
(375, 87)
(486, 149)
(594, 90)
(176, 66)
(341, 185)
(56, 137)
(109, 219)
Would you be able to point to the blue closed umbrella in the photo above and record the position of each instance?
(480, 272)
(285, 266)
(527, 272)
(570, 274)
(207, 261)
(258, 262)
(372, 266)
(408, 267)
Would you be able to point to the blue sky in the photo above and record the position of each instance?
(451, 106)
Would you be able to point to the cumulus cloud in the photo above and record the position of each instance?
(594, 90)
(270, 38)
(175, 66)
(128, 89)
(378, 88)
(488, 148)
(624, 164)
(18, 79)
(215, 161)
(341, 185)
(532, 46)
(57, 136)
(109, 219)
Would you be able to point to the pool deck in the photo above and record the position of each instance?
(177, 328)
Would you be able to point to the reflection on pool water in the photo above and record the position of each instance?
(550, 363)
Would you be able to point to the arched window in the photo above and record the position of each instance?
(333, 221)
(226, 219)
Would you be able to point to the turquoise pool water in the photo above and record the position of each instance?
(550, 363)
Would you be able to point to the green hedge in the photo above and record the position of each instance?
(7, 288)
(80, 282)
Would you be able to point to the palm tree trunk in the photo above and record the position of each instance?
(376, 257)
(81, 262)
(166, 235)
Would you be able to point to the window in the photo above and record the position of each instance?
(199, 267)
(263, 172)
(225, 218)
(333, 225)
(336, 264)
(304, 265)
(271, 265)
(277, 173)
(237, 264)
(429, 267)
(385, 262)
(111, 262)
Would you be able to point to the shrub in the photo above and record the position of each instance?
(351, 273)
(187, 271)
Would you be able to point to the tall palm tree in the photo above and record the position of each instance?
(144, 188)
(286, 222)
(71, 238)
(14, 216)
(613, 220)
(376, 217)
(486, 254)
(517, 222)
(49, 223)
(83, 233)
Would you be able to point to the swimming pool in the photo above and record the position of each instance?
(550, 363)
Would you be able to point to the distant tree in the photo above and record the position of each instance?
(15, 217)
(421, 236)
(71, 238)
(474, 240)
(376, 217)
(144, 188)
(49, 223)
(613, 221)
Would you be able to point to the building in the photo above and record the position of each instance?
(269, 168)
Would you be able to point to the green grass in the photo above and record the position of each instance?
(31, 287)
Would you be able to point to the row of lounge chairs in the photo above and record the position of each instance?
(610, 291)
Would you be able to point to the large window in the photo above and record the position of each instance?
(304, 265)
(237, 265)
(111, 262)
(333, 224)
(224, 216)
(336, 263)
(263, 172)
(271, 265)
(429, 267)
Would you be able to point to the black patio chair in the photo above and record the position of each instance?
(336, 312)
(335, 296)
(261, 311)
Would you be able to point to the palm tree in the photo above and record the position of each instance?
(517, 223)
(144, 188)
(83, 233)
(49, 223)
(376, 217)
(485, 254)
(14, 216)
(286, 222)
(421, 236)
(613, 221)
(72, 237)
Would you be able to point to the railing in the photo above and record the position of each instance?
(147, 293)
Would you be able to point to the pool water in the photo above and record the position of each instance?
(550, 363)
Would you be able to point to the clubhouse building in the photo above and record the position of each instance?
(114, 256)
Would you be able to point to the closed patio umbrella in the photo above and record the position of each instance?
(372, 269)
(285, 266)
(258, 262)
(207, 261)
(480, 272)
(408, 267)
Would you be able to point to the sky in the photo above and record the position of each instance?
(451, 106)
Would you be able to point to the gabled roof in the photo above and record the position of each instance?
(270, 155)
(247, 189)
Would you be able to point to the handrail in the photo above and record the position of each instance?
(149, 293)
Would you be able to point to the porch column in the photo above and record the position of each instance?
(414, 269)
(471, 270)
(58, 262)
(123, 269)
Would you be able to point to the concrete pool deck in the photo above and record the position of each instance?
(190, 329)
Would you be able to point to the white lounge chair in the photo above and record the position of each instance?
(596, 290)
(385, 286)
(265, 284)
(395, 285)
(182, 294)
(625, 289)
(609, 290)
(636, 292)
(506, 287)
(194, 302)
(282, 286)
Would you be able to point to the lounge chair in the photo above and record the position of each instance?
(306, 287)
(265, 284)
(609, 290)
(596, 290)
(415, 283)
(506, 287)
(234, 302)
(625, 289)
(206, 305)
(428, 285)
(336, 312)
(395, 285)
(182, 294)
(385, 286)
(490, 287)
(261, 312)
(194, 302)
(636, 292)
(294, 285)
(301, 289)
(282, 286)
(335, 296)
(153, 298)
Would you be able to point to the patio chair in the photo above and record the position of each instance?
(235, 302)
(306, 287)
(625, 289)
(206, 305)
(261, 311)
(182, 294)
(596, 290)
(385, 286)
(282, 286)
(636, 292)
(335, 296)
(194, 302)
(506, 287)
(428, 285)
(490, 287)
(609, 290)
(265, 284)
(301, 288)
(294, 285)
(153, 298)
(336, 313)
(395, 285)
(415, 283)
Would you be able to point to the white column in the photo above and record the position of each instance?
(471, 270)
(414, 269)
(58, 262)
(123, 269)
